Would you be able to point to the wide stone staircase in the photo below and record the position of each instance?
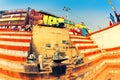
(96, 60)
(14, 50)
(85, 46)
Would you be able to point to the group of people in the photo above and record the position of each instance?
(78, 31)
(17, 28)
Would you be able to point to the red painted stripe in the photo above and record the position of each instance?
(85, 42)
(13, 34)
(15, 40)
(87, 47)
(20, 48)
(92, 53)
(13, 58)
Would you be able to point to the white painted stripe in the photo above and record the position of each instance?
(89, 50)
(12, 64)
(1, 32)
(113, 61)
(27, 44)
(81, 40)
(15, 37)
(94, 56)
(78, 36)
(83, 44)
(14, 52)
(114, 71)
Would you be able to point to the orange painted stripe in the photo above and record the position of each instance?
(87, 65)
(11, 73)
(85, 38)
(113, 65)
(111, 56)
(92, 53)
(20, 48)
(97, 75)
(112, 49)
(23, 76)
(97, 60)
(114, 25)
(85, 42)
(13, 58)
(87, 47)
(18, 75)
(15, 40)
(107, 66)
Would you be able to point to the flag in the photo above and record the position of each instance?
(110, 24)
(112, 18)
(109, 2)
(117, 16)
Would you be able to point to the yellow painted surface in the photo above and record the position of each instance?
(50, 20)
(45, 19)
(60, 20)
(50, 35)
(55, 20)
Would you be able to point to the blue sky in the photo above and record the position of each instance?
(93, 13)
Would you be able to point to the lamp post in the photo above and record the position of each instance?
(67, 10)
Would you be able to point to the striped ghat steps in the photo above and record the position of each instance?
(80, 39)
(14, 48)
(86, 46)
(89, 52)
